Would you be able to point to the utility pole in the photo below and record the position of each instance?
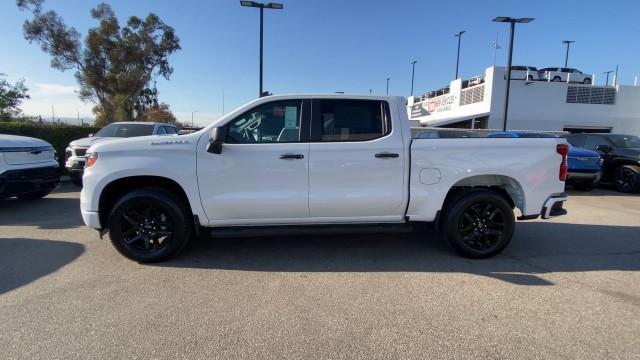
(496, 46)
(193, 112)
(261, 6)
(459, 36)
(606, 82)
(566, 56)
(512, 22)
(413, 72)
(53, 115)
(388, 85)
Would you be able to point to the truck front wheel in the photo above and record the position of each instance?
(149, 225)
(479, 224)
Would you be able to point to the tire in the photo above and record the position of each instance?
(530, 78)
(149, 225)
(584, 186)
(586, 81)
(479, 224)
(34, 195)
(556, 78)
(626, 178)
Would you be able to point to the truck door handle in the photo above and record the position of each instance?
(386, 155)
(291, 156)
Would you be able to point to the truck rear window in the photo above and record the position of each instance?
(352, 120)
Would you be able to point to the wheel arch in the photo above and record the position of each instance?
(506, 186)
(114, 190)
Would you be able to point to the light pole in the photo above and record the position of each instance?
(459, 36)
(513, 22)
(261, 6)
(566, 56)
(413, 72)
(193, 112)
(606, 83)
(388, 85)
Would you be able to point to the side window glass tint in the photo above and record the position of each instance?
(352, 120)
(277, 121)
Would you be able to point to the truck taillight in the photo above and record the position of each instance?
(563, 149)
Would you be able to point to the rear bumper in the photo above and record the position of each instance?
(553, 206)
(24, 181)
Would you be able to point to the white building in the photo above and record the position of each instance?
(533, 105)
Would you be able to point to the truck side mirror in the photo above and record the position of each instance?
(218, 134)
(603, 148)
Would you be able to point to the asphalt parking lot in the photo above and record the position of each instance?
(565, 288)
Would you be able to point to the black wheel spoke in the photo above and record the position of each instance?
(482, 225)
(130, 220)
(133, 239)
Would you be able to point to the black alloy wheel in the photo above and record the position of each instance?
(149, 225)
(479, 223)
(145, 227)
(627, 179)
(482, 225)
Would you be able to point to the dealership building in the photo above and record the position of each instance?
(478, 103)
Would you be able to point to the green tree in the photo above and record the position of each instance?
(114, 64)
(11, 97)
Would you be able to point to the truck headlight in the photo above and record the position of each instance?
(91, 159)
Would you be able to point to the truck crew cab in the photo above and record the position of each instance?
(312, 163)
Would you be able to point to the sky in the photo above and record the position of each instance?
(331, 45)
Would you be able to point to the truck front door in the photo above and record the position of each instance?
(261, 175)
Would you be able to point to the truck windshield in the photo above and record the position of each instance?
(125, 130)
(625, 141)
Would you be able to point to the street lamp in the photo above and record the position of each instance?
(261, 6)
(193, 112)
(459, 36)
(566, 57)
(606, 83)
(388, 85)
(413, 72)
(513, 22)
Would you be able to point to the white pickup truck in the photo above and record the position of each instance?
(321, 164)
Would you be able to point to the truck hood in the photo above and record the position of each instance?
(580, 152)
(88, 141)
(14, 141)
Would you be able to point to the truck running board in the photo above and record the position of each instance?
(287, 230)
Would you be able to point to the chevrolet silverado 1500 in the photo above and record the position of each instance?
(318, 163)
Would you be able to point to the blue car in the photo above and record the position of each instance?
(585, 166)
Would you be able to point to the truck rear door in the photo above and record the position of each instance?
(356, 162)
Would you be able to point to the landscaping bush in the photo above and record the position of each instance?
(58, 135)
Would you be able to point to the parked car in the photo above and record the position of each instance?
(621, 155)
(520, 72)
(351, 162)
(28, 167)
(75, 152)
(562, 74)
(584, 166)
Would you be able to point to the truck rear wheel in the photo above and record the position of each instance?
(149, 225)
(479, 224)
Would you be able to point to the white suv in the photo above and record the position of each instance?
(520, 72)
(562, 74)
(75, 152)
